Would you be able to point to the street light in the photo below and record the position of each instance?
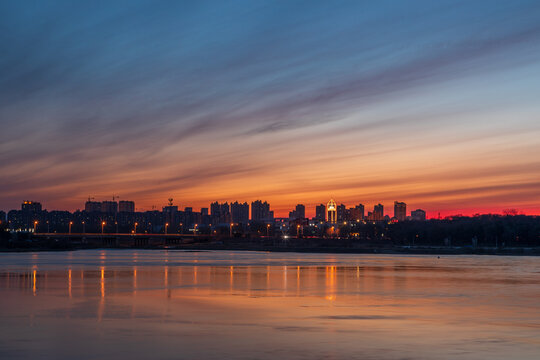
(166, 226)
(195, 230)
(102, 226)
(181, 228)
(70, 223)
(48, 227)
(267, 230)
(230, 230)
(83, 227)
(297, 230)
(35, 225)
(135, 229)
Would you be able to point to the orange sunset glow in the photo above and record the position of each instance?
(438, 173)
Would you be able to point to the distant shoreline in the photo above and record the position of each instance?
(529, 251)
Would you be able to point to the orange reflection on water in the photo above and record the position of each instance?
(34, 282)
(417, 305)
(166, 276)
(102, 282)
(330, 283)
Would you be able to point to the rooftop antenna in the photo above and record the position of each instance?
(90, 198)
(170, 201)
(114, 197)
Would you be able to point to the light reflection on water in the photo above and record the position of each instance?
(214, 305)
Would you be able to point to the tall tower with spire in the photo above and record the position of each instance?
(331, 211)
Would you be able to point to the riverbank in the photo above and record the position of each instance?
(525, 251)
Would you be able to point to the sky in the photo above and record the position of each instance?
(434, 103)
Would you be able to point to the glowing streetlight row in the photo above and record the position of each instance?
(134, 231)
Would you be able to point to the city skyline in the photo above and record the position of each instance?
(97, 216)
(431, 102)
(284, 210)
(308, 211)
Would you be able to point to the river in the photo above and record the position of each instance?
(151, 304)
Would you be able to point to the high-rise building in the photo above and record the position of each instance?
(400, 211)
(31, 206)
(109, 207)
(298, 213)
(331, 211)
(356, 213)
(126, 206)
(378, 212)
(320, 211)
(31, 212)
(341, 213)
(220, 213)
(260, 211)
(218, 210)
(215, 209)
(171, 215)
(240, 212)
(418, 215)
(92, 206)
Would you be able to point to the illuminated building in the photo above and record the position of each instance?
(31, 206)
(400, 211)
(31, 212)
(331, 211)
